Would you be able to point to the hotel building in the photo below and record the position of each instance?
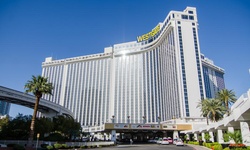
(160, 76)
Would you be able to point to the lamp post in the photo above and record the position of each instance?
(113, 119)
(144, 119)
(159, 119)
(37, 138)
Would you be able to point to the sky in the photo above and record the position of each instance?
(31, 30)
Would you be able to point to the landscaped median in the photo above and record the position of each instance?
(86, 146)
(218, 146)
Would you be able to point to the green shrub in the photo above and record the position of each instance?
(218, 147)
(227, 148)
(209, 145)
(248, 147)
(49, 147)
(57, 145)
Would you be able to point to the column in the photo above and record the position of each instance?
(220, 136)
(176, 135)
(195, 137)
(212, 136)
(203, 136)
(231, 129)
(113, 135)
(188, 137)
(245, 133)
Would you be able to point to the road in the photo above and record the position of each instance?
(148, 147)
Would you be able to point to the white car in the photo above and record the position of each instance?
(164, 141)
(159, 141)
(179, 142)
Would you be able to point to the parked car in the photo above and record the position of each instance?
(152, 141)
(159, 141)
(165, 141)
(174, 141)
(170, 140)
(179, 142)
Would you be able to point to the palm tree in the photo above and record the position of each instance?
(38, 86)
(227, 97)
(212, 109)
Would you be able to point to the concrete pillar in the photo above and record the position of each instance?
(212, 136)
(195, 137)
(175, 135)
(231, 129)
(188, 137)
(203, 136)
(245, 133)
(113, 135)
(220, 136)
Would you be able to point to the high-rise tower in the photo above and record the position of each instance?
(159, 76)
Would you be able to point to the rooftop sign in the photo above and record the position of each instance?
(149, 35)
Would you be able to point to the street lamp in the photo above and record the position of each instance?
(144, 119)
(159, 119)
(113, 119)
(37, 138)
(128, 119)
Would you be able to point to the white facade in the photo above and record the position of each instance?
(158, 76)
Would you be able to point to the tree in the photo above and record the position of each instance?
(207, 137)
(17, 128)
(67, 126)
(212, 109)
(227, 97)
(38, 86)
(43, 126)
(236, 136)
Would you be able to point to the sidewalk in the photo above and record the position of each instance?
(198, 147)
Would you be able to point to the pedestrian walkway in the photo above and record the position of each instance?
(198, 147)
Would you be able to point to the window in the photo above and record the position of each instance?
(178, 22)
(190, 12)
(191, 17)
(173, 15)
(193, 24)
(184, 16)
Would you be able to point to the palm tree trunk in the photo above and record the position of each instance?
(32, 125)
(207, 120)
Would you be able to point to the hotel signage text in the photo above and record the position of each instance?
(149, 34)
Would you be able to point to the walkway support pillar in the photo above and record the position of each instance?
(245, 133)
(203, 136)
(175, 135)
(231, 129)
(220, 136)
(212, 136)
(113, 135)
